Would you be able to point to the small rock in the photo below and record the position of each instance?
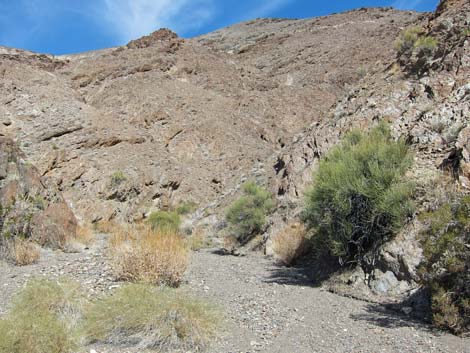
(407, 310)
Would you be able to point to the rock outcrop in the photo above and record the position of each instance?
(30, 206)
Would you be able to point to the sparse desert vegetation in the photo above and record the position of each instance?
(446, 269)
(164, 221)
(23, 252)
(274, 186)
(359, 197)
(247, 215)
(145, 254)
(43, 318)
(290, 243)
(158, 318)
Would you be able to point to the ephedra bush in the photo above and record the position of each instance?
(359, 197)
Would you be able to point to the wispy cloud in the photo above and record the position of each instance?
(265, 8)
(406, 4)
(130, 19)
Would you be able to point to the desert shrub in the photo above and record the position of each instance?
(151, 318)
(359, 198)
(446, 268)
(198, 239)
(164, 220)
(466, 32)
(23, 252)
(426, 44)
(247, 215)
(290, 243)
(413, 40)
(105, 226)
(144, 254)
(83, 238)
(43, 318)
(85, 234)
(185, 208)
(118, 178)
(407, 39)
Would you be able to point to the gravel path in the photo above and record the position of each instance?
(265, 314)
(267, 308)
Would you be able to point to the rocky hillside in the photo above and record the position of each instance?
(164, 120)
(425, 95)
(30, 206)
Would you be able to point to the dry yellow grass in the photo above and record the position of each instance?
(141, 254)
(24, 252)
(198, 239)
(290, 243)
(107, 227)
(85, 234)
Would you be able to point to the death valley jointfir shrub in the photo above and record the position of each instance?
(446, 268)
(247, 215)
(164, 220)
(359, 197)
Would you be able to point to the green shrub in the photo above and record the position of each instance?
(446, 268)
(165, 221)
(408, 38)
(358, 198)
(414, 39)
(163, 319)
(426, 44)
(186, 207)
(466, 32)
(118, 178)
(43, 318)
(247, 215)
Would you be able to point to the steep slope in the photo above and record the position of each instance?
(429, 107)
(185, 119)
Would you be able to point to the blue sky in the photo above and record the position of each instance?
(68, 26)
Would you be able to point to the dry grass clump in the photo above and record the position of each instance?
(43, 318)
(143, 254)
(290, 243)
(84, 237)
(198, 239)
(85, 234)
(107, 227)
(151, 318)
(24, 252)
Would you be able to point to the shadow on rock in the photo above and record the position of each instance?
(413, 311)
(305, 272)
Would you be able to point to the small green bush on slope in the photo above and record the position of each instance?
(414, 39)
(446, 269)
(163, 319)
(247, 215)
(165, 221)
(359, 198)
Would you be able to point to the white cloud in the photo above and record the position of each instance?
(406, 4)
(266, 8)
(131, 19)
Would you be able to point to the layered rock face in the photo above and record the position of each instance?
(30, 206)
(185, 120)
